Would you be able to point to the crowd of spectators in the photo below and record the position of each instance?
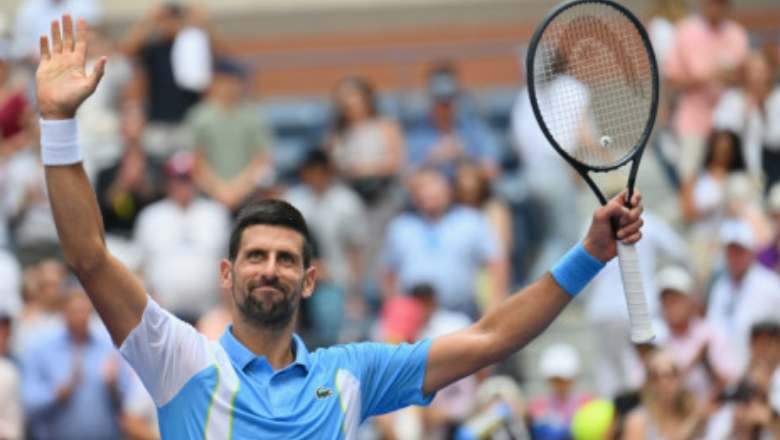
(416, 233)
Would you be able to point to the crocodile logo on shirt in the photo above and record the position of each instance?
(323, 393)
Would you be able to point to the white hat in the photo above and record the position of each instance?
(773, 199)
(737, 232)
(675, 278)
(560, 360)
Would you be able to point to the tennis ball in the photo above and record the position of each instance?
(593, 420)
(606, 141)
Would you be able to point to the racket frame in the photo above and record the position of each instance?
(636, 155)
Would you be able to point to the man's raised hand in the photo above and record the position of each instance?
(61, 81)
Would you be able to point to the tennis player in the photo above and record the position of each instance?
(259, 380)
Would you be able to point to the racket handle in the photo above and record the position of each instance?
(638, 312)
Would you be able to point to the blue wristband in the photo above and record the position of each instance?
(575, 270)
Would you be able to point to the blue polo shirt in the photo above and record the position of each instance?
(221, 390)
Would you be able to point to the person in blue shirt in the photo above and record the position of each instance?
(453, 130)
(259, 380)
(73, 382)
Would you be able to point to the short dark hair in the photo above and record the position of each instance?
(270, 212)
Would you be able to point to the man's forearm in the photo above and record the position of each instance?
(76, 214)
(521, 317)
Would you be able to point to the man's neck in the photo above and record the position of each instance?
(275, 345)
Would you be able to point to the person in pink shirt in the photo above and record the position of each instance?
(703, 61)
(704, 357)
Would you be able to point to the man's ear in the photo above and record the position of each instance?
(309, 281)
(226, 274)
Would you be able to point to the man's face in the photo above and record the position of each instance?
(77, 312)
(738, 260)
(677, 308)
(431, 193)
(268, 278)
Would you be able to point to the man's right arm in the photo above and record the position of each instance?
(62, 85)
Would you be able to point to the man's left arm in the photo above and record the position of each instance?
(519, 319)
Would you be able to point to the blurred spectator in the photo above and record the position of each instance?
(617, 368)
(707, 52)
(73, 382)
(11, 415)
(500, 412)
(35, 235)
(770, 255)
(746, 412)
(10, 284)
(6, 325)
(703, 199)
(100, 117)
(473, 189)
(451, 132)
(231, 144)
(550, 180)
(14, 108)
(668, 410)
(454, 403)
(443, 244)
(662, 28)
(368, 152)
(34, 17)
(551, 415)
(125, 188)
(152, 40)
(139, 416)
(746, 293)
(336, 216)
(704, 356)
(42, 292)
(748, 110)
(182, 239)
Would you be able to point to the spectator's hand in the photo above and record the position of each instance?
(61, 82)
(111, 371)
(600, 240)
(65, 391)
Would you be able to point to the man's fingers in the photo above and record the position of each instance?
(56, 37)
(45, 55)
(81, 37)
(67, 33)
(630, 229)
(632, 239)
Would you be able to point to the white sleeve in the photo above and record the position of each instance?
(165, 352)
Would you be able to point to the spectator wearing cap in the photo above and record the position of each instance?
(701, 353)
(443, 244)
(182, 238)
(708, 50)
(769, 256)
(746, 293)
(451, 131)
(335, 214)
(73, 381)
(551, 415)
(230, 141)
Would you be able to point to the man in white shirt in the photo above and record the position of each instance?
(182, 239)
(746, 293)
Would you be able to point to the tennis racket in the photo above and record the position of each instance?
(593, 85)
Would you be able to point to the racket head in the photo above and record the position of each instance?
(616, 102)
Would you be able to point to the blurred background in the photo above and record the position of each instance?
(403, 132)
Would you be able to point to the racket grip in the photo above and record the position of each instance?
(638, 312)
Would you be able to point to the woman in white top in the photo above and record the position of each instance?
(752, 110)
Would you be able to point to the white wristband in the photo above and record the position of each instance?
(59, 142)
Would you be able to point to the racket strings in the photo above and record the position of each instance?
(593, 78)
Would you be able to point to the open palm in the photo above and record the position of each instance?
(61, 82)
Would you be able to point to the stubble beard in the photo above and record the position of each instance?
(258, 313)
